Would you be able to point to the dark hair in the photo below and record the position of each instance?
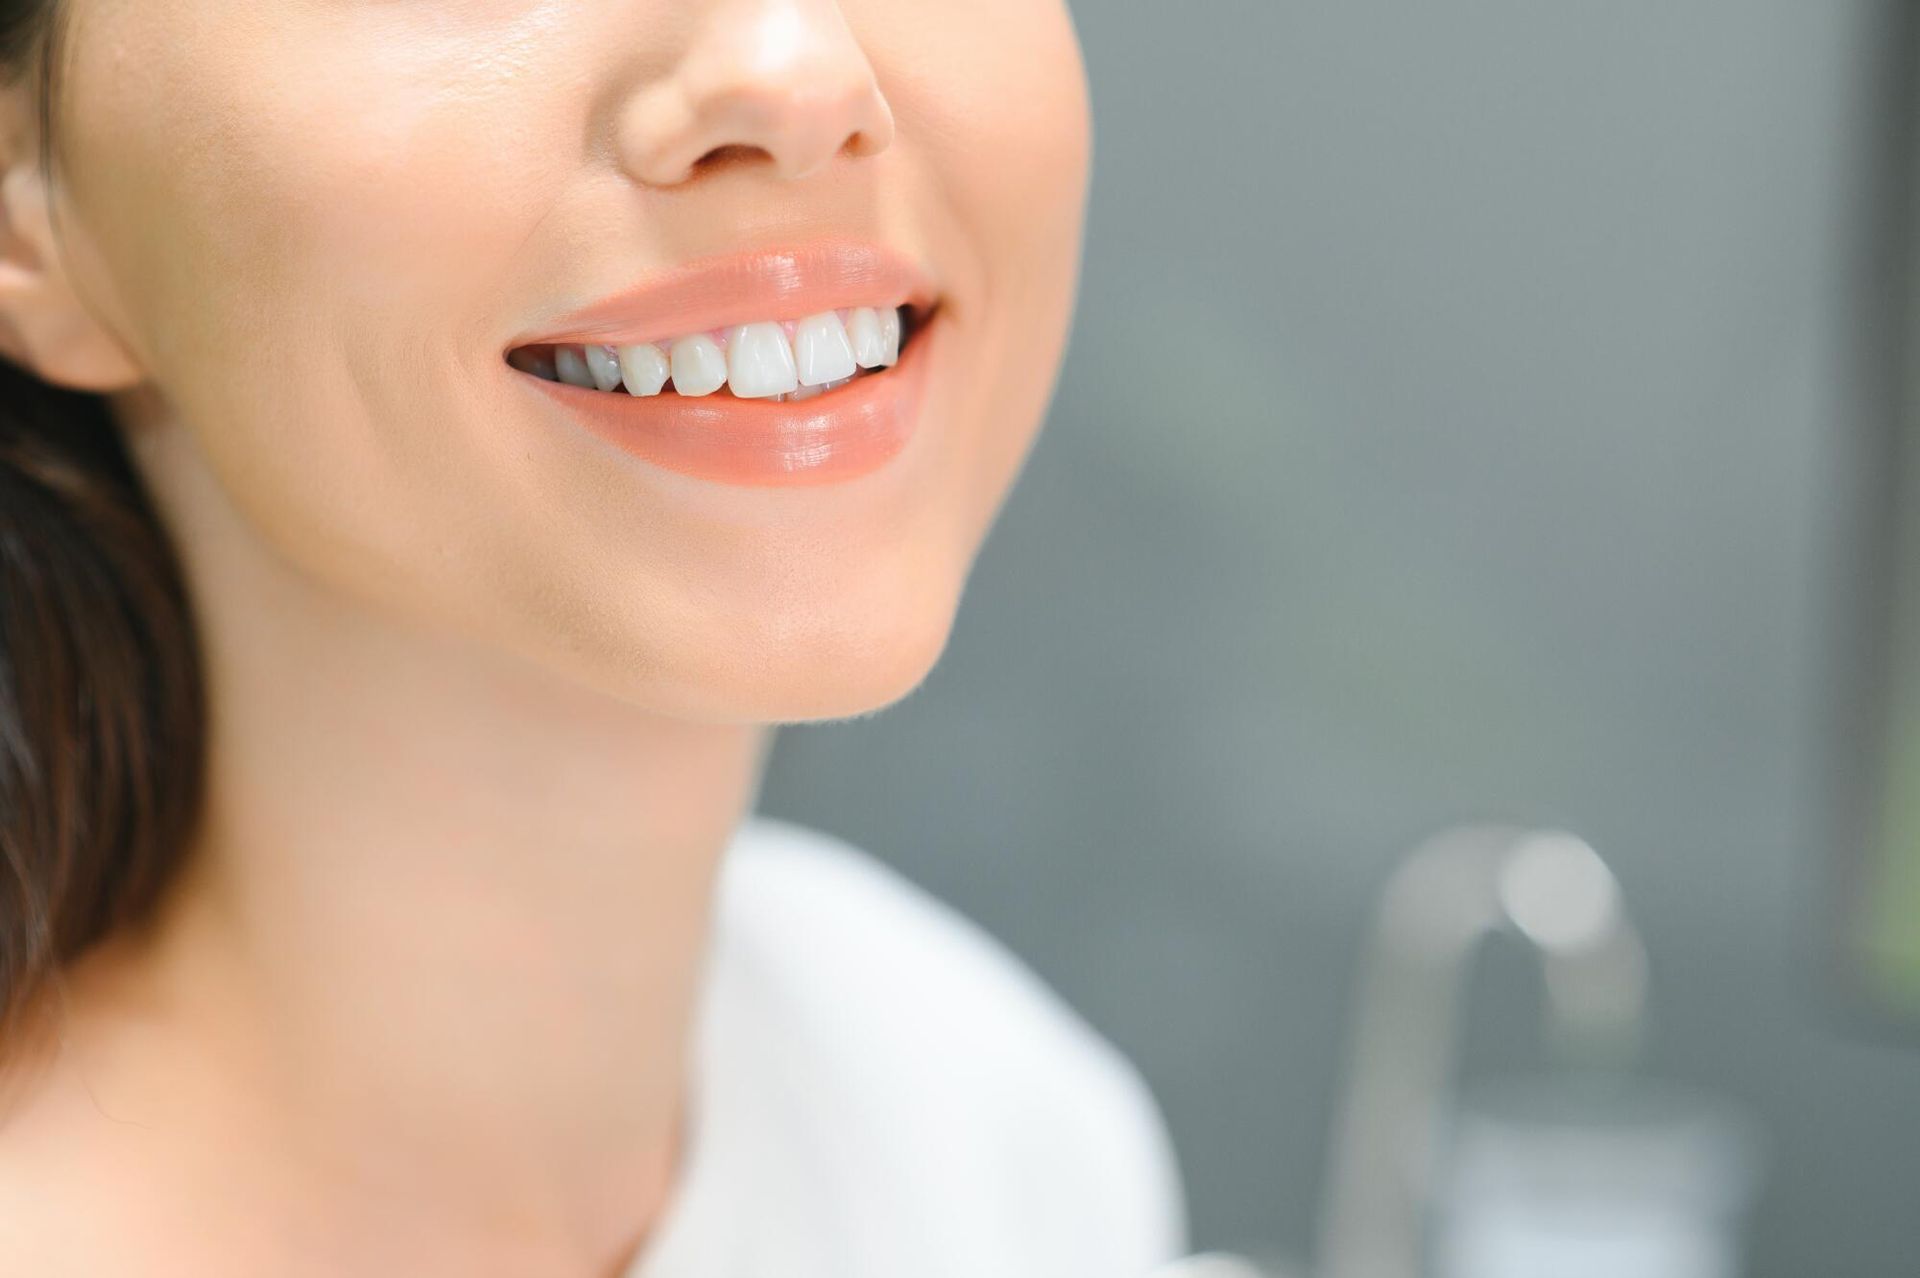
(101, 706)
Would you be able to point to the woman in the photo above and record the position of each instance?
(524, 406)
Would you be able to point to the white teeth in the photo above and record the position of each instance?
(759, 361)
(644, 368)
(699, 365)
(572, 366)
(821, 349)
(604, 365)
(777, 360)
(869, 344)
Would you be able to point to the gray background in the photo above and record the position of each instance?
(1460, 422)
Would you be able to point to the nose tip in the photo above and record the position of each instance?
(784, 80)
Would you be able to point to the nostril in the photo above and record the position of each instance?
(730, 155)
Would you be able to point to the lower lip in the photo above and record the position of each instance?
(842, 434)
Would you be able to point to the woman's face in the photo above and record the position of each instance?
(318, 226)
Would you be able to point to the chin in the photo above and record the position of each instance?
(819, 666)
(825, 692)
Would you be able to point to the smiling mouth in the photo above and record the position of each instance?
(777, 361)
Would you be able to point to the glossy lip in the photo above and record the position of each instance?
(841, 434)
(744, 288)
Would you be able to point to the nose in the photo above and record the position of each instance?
(784, 78)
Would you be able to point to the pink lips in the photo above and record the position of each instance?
(845, 432)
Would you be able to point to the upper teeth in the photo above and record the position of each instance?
(770, 359)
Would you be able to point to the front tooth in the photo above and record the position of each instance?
(869, 344)
(890, 335)
(760, 361)
(572, 366)
(604, 365)
(644, 368)
(699, 365)
(822, 349)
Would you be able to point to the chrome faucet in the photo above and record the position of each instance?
(1450, 893)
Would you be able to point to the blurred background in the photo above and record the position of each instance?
(1473, 413)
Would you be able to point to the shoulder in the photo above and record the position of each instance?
(944, 1021)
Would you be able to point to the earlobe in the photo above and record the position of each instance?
(45, 326)
(22, 266)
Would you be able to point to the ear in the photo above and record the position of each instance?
(45, 326)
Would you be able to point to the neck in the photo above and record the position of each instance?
(445, 920)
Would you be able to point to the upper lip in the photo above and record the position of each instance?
(741, 288)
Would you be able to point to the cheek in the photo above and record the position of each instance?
(1010, 111)
(312, 176)
(996, 89)
(305, 242)
(993, 94)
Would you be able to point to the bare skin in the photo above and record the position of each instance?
(486, 702)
